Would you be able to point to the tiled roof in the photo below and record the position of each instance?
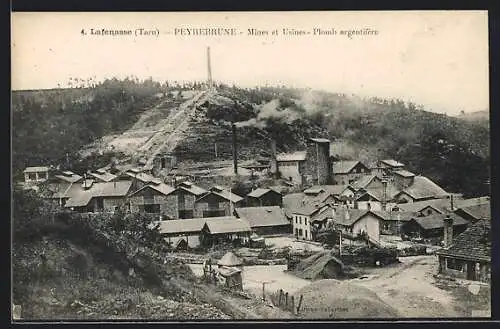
(227, 225)
(58, 190)
(481, 211)
(363, 181)
(437, 221)
(144, 177)
(295, 156)
(461, 203)
(80, 200)
(442, 205)
(181, 225)
(225, 194)
(402, 216)
(343, 167)
(320, 140)
(392, 163)
(110, 189)
(257, 193)
(230, 259)
(69, 176)
(36, 169)
(314, 190)
(472, 244)
(353, 216)
(423, 187)
(105, 177)
(263, 216)
(191, 188)
(404, 173)
(295, 201)
(161, 188)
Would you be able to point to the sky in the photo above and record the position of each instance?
(435, 58)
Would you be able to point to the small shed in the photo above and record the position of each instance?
(230, 260)
(232, 277)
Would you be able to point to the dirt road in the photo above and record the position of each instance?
(409, 288)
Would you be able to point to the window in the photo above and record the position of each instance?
(296, 232)
(305, 222)
(454, 264)
(296, 220)
(214, 213)
(183, 214)
(300, 221)
(300, 232)
(305, 231)
(152, 208)
(429, 211)
(99, 204)
(163, 165)
(386, 227)
(31, 176)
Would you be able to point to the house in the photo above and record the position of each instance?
(291, 166)
(68, 177)
(390, 165)
(403, 178)
(335, 190)
(265, 220)
(177, 231)
(431, 226)
(98, 197)
(154, 199)
(303, 218)
(367, 182)
(347, 172)
(141, 179)
(422, 189)
(230, 260)
(216, 203)
(391, 222)
(295, 201)
(225, 229)
(102, 175)
(475, 212)
(368, 200)
(186, 194)
(264, 197)
(468, 255)
(356, 221)
(427, 207)
(36, 174)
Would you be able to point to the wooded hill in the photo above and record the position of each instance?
(452, 151)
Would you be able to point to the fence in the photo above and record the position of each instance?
(286, 301)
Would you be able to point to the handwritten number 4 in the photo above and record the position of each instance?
(83, 32)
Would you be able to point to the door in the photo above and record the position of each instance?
(471, 271)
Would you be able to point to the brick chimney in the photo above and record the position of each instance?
(448, 230)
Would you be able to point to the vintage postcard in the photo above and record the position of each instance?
(250, 165)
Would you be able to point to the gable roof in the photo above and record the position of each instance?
(435, 221)
(401, 216)
(58, 190)
(79, 200)
(160, 188)
(225, 194)
(461, 203)
(263, 216)
(481, 211)
(364, 181)
(220, 225)
(423, 187)
(68, 176)
(404, 173)
(103, 176)
(230, 259)
(392, 163)
(320, 140)
(344, 167)
(374, 196)
(472, 244)
(354, 216)
(442, 205)
(191, 188)
(80, 197)
(143, 177)
(36, 169)
(295, 156)
(257, 193)
(294, 202)
(178, 226)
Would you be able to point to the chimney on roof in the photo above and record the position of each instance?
(347, 215)
(448, 230)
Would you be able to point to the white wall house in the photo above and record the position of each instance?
(36, 174)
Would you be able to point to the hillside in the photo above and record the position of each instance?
(128, 120)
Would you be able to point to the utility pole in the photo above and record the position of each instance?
(209, 69)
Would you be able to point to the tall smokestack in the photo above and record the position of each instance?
(209, 68)
(235, 156)
(274, 161)
(452, 206)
